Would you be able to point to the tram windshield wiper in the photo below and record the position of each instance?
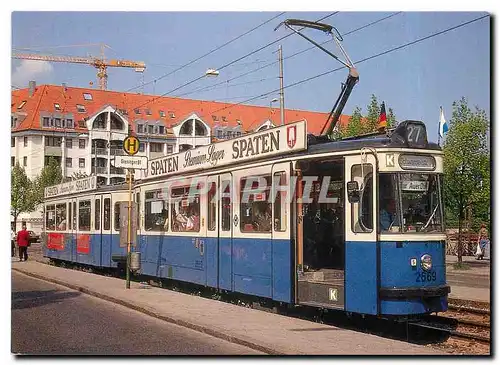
(431, 217)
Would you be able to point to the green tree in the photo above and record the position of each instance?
(21, 193)
(51, 174)
(391, 119)
(354, 126)
(373, 116)
(466, 164)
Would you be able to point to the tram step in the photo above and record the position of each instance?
(321, 293)
(323, 275)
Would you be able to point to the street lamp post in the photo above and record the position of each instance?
(271, 107)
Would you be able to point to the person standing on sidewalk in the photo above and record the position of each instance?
(483, 240)
(13, 241)
(23, 238)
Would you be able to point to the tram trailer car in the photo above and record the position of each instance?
(364, 232)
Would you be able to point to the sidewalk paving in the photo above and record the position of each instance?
(267, 332)
(472, 284)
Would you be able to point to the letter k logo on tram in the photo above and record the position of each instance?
(389, 160)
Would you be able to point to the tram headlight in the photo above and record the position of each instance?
(426, 262)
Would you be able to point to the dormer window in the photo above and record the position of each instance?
(57, 106)
(87, 96)
(137, 111)
(214, 118)
(22, 104)
(148, 111)
(223, 119)
(80, 108)
(162, 114)
(171, 114)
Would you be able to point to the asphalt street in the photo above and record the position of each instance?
(51, 319)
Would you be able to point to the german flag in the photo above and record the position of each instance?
(382, 121)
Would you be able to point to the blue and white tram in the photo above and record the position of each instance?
(354, 225)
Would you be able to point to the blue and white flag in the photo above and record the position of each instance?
(443, 125)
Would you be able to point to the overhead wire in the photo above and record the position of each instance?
(206, 88)
(208, 53)
(226, 65)
(357, 62)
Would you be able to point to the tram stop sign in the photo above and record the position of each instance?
(131, 145)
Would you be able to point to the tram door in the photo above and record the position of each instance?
(362, 262)
(71, 241)
(282, 248)
(102, 229)
(212, 241)
(225, 242)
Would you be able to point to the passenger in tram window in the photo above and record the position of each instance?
(262, 218)
(193, 220)
(181, 219)
(164, 215)
(388, 217)
(62, 225)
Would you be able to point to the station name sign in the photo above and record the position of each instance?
(271, 142)
(76, 186)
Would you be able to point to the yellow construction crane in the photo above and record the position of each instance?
(100, 63)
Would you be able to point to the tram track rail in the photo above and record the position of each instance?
(426, 330)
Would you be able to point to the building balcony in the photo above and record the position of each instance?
(101, 151)
(117, 171)
(53, 151)
(101, 170)
(117, 152)
(154, 155)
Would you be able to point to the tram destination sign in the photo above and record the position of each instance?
(75, 186)
(270, 142)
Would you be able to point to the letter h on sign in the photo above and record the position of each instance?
(131, 145)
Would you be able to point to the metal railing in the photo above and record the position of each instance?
(117, 152)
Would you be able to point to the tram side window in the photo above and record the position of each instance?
(255, 208)
(117, 216)
(280, 204)
(185, 210)
(362, 212)
(74, 215)
(212, 206)
(70, 216)
(138, 201)
(61, 217)
(106, 215)
(84, 208)
(226, 205)
(50, 217)
(156, 210)
(97, 212)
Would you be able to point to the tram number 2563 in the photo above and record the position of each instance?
(422, 277)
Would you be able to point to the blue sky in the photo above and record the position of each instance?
(413, 81)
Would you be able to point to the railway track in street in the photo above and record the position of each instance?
(463, 329)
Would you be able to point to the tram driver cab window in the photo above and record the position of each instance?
(362, 211)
